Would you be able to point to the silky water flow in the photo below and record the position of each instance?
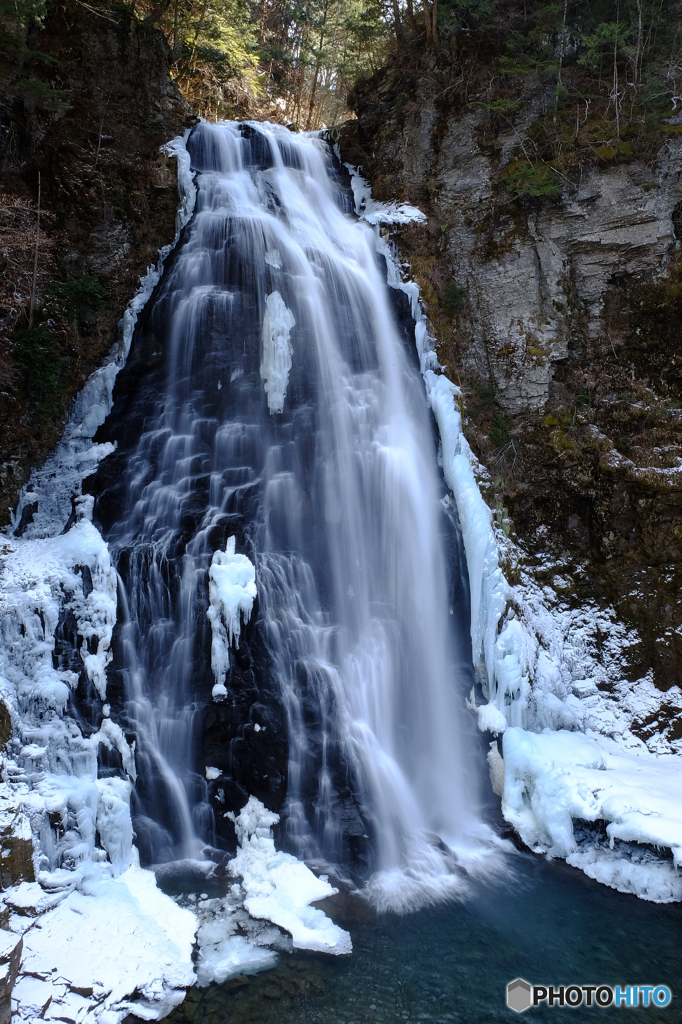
(270, 397)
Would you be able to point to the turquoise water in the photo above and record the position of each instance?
(547, 923)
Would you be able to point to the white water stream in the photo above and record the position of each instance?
(291, 622)
(289, 400)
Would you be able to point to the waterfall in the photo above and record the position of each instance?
(272, 412)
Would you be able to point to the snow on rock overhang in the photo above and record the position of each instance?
(554, 778)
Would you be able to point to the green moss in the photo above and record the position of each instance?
(453, 296)
(536, 179)
(499, 429)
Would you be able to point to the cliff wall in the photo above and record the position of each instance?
(87, 102)
(558, 314)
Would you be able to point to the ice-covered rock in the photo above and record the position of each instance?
(122, 940)
(555, 778)
(277, 349)
(232, 591)
(279, 888)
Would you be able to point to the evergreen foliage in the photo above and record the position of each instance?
(78, 298)
(41, 366)
(453, 297)
(612, 68)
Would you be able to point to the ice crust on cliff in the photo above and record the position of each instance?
(232, 591)
(542, 676)
(535, 667)
(90, 873)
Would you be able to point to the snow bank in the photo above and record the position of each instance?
(554, 778)
(277, 349)
(279, 888)
(122, 939)
(232, 591)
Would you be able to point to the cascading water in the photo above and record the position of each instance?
(271, 398)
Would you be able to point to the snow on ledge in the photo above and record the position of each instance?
(374, 212)
(554, 778)
(123, 939)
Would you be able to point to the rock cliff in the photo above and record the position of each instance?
(85, 108)
(558, 314)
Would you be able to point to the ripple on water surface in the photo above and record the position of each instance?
(550, 925)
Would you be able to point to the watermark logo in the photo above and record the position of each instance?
(521, 995)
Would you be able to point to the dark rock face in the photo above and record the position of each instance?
(563, 333)
(10, 960)
(108, 203)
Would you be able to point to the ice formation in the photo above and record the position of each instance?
(374, 212)
(277, 348)
(267, 908)
(279, 888)
(232, 591)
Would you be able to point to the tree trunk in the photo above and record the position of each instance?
(638, 50)
(398, 24)
(35, 263)
(410, 16)
(427, 20)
